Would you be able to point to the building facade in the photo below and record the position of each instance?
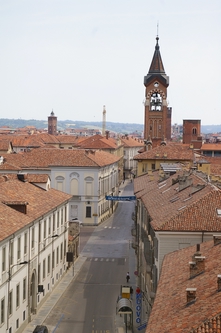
(88, 175)
(33, 246)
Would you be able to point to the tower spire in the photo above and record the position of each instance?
(157, 63)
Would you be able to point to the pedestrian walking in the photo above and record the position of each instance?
(128, 277)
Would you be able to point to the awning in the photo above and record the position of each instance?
(124, 306)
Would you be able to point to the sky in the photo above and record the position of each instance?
(75, 56)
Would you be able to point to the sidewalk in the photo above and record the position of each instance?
(55, 295)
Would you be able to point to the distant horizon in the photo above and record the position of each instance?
(95, 122)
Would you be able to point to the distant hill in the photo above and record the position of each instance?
(63, 124)
(124, 128)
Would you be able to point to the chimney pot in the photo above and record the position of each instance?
(190, 294)
(197, 267)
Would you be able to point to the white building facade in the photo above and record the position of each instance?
(33, 250)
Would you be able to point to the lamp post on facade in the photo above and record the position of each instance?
(9, 279)
(53, 236)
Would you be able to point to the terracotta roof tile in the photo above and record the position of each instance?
(192, 208)
(211, 146)
(131, 142)
(4, 145)
(170, 305)
(173, 152)
(39, 202)
(45, 158)
(98, 142)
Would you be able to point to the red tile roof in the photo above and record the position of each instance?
(98, 142)
(174, 208)
(171, 312)
(211, 146)
(130, 142)
(39, 203)
(172, 152)
(44, 158)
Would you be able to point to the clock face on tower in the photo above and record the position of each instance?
(155, 102)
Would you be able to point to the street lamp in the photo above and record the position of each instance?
(9, 272)
(53, 236)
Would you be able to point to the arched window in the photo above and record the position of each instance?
(60, 183)
(89, 186)
(194, 131)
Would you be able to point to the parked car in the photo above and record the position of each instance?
(40, 329)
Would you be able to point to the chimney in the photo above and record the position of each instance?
(216, 239)
(190, 294)
(107, 134)
(197, 253)
(197, 267)
(219, 282)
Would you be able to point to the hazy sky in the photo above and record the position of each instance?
(74, 56)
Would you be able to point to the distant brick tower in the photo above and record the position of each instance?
(157, 117)
(192, 132)
(52, 124)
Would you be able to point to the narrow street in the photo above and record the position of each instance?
(89, 303)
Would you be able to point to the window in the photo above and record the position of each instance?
(49, 226)
(62, 217)
(61, 251)
(88, 211)
(153, 166)
(64, 247)
(2, 310)
(49, 264)
(57, 255)
(53, 259)
(3, 259)
(45, 225)
(58, 219)
(25, 243)
(32, 238)
(60, 183)
(65, 214)
(11, 255)
(10, 303)
(39, 273)
(17, 295)
(44, 269)
(24, 289)
(194, 131)
(39, 232)
(19, 249)
(53, 223)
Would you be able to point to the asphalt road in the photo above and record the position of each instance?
(89, 303)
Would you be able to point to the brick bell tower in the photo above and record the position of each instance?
(157, 116)
(52, 124)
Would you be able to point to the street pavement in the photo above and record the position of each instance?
(62, 285)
